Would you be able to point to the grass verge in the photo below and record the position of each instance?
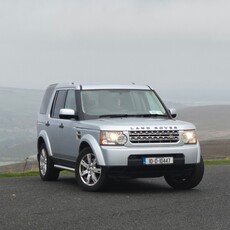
(217, 162)
(29, 173)
(19, 174)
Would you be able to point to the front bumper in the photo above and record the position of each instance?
(123, 156)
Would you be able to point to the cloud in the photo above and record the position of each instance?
(206, 19)
(180, 19)
(148, 41)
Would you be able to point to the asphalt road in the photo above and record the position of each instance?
(29, 203)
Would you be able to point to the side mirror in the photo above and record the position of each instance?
(67, 114)
(173, 112)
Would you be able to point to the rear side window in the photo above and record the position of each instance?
(59, 101)
(46, 98)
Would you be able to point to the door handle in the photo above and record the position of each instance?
(47, 124)
(61, 125)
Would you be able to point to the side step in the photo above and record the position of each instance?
(64, 168)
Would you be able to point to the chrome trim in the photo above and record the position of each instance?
(64, 168)
(154, 136)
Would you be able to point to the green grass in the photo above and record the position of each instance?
(25, 174)
(217, 162)
(21, 174)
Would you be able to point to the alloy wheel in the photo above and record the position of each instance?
(89, 172)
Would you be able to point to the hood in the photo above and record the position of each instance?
(135, 124)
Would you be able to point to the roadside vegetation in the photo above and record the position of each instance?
(19, 174)
(28, 173)
(218, 162)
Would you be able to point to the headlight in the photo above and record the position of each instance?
(189, 137)
(112, 138)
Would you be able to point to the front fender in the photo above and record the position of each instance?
(95, 148)
(45, 138)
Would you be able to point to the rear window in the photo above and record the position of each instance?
(46, 98)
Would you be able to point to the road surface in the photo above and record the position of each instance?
(29, 203)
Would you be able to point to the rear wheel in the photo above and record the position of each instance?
(187, 181)
(46, 166)
(89, 175)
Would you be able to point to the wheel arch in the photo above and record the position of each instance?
(89, 141)
(44, 139)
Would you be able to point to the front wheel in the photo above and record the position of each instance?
(187, 181)
(46, 166)
(89, 175)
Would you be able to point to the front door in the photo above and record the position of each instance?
(69, 135)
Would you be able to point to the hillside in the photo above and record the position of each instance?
(18, 116)
(19, 110)
(212, 121)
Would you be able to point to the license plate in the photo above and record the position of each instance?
(158, 160)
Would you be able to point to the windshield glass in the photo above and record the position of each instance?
(121, 102)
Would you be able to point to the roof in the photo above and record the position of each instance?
(100, 86)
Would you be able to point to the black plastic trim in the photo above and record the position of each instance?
(148, 171)
(62, 162)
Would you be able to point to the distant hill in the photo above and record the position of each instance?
(19, 108)
(212, 121)
(18, 115)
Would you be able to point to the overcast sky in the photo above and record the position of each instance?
(176, 46)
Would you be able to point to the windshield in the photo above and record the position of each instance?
(120, 102)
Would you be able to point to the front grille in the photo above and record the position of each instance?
(154, 136)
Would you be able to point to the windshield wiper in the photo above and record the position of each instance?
(114, 115)
(151, 115)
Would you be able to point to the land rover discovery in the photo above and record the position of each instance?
(101, 132)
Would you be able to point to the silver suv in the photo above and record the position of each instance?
(106, 131)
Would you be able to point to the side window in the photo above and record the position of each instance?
(58, 103)
(70, 102)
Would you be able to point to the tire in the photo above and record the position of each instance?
(89, 175)
(187, 181)
(46, 167)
